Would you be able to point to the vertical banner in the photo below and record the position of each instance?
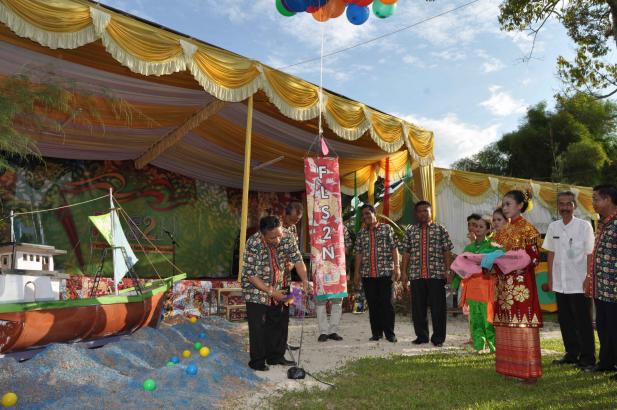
(325, 221)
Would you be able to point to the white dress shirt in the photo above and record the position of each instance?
(571, 244)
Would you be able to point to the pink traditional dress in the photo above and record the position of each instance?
(517, 310)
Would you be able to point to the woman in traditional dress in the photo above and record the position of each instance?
(517, 310)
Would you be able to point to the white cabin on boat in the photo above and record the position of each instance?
(30, 276)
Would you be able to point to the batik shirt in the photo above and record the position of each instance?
(375, 244)
(267, 263)
(426, 246)
(348, 239)
(604, 262)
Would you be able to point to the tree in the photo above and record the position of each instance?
(573, 144)
(591, 24)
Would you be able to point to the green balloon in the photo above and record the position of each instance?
(281, 9)
(197, 346)
(383, 10)
(149, 385)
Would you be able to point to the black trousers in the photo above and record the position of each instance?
(378, 293)
(267, 332)
(425, 293)
(606, 324)
(575, 321)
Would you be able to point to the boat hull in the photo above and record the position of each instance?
(32, 326)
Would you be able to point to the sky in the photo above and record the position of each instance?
(457, 75)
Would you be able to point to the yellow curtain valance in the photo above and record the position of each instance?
(148, 50)
(474, 188)
(364, 175)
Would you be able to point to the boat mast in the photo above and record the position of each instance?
(112, 215)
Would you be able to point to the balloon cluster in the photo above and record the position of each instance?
(357, 11)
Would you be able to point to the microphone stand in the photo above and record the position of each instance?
(174, 243)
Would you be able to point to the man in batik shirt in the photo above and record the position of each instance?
(426, 259)
(601, 282)
(376, 263)
(290, 219)
(263, 287)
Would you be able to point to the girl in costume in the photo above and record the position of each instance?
(499, 220)
(517, 310)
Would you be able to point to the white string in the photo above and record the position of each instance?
(323, 27)
(60, 207)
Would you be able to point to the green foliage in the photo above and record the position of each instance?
(572, 144)
(590, 25)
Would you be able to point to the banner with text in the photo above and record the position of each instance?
(323, 198)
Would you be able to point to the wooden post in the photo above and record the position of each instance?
(245, 185)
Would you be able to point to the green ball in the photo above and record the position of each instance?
(281, 9)
(383, 10)
(170, 364)
(149, 385)
(197, 345)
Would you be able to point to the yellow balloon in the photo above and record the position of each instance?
(9, 399)
(204, 352)
(186, 354)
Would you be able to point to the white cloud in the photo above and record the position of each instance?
(414, 61)
(449, 55)
(455, 139)
(502, 104)
(490, 64)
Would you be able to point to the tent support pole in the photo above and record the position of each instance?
(245, 185)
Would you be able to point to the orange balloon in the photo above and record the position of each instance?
(337, 7)
(389, 1)
(321, 14)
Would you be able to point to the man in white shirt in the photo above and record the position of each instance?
(569, 242)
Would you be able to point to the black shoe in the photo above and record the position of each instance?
(437, 344)
(262, 368)
(597, 369)
(335, 336)
(419, 341)
(391, 339)
(564, 360)
(282, 361)
(322, 338)
(292, 347)
(374, 338)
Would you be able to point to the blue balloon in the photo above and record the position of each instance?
(297, 6)
(202, 335)
(317, 3)
(357, 14)
(191, 370)
(174, 359)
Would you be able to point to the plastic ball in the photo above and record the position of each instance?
(186, 354)
(204, 352)
(9, 399)
(197, 345)
(193, 320)
(357, 15)
(283, 10)
(202, 335)
(191, 370)
(174, 359)
(149, 385)
(170, 364)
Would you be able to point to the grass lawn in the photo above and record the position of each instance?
(453, 381)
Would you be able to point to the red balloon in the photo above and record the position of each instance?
(361, 3)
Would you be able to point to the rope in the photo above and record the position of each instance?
(57, 208)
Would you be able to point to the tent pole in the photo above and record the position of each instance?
(245, 185)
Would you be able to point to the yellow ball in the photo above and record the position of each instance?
(9, 399)
(186, 354)
(193, 320)
(204, 352)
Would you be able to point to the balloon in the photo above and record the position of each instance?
(321, 14)
(389, 1)
(317, 3)
(197, 345)
(149, 385)
(362, 3)
(191, 370)
(357, 15)
(382, 10)
(174, 359)
(9, 399)
(186, 354)
(333, 9)
(296, 5)
(283, 10)
(204, 352)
